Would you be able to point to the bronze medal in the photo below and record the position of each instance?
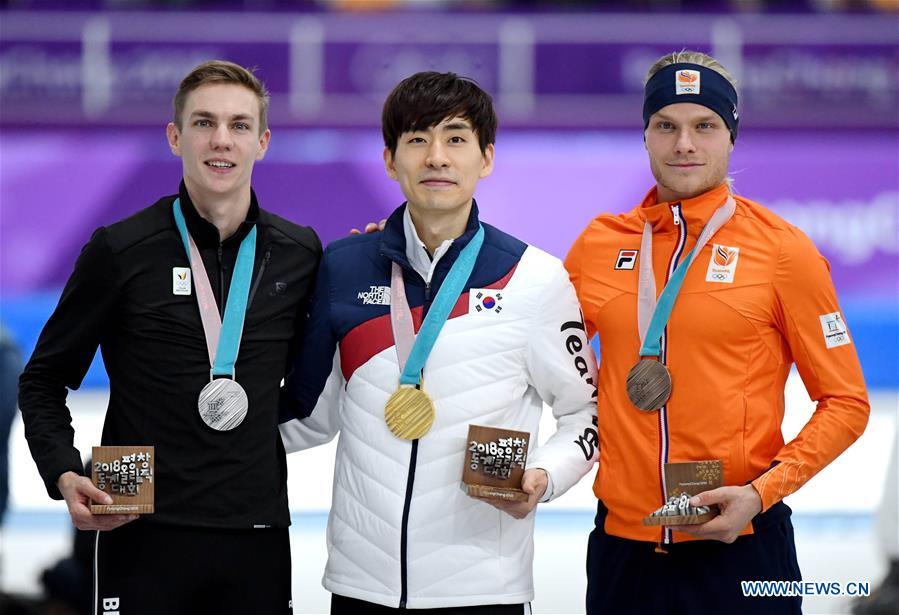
(409, 413)
(649, 385)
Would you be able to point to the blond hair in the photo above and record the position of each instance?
(221, 71)
(689, 56)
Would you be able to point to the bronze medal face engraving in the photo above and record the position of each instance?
(649, 385)
(409, 413)
(223, 404)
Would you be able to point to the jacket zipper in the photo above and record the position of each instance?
(221, 301)
(265, 260)
(663, 411)
(410, 482)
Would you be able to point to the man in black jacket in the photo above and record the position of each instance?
(218, 540)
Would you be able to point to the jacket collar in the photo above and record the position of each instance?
(204, 232)
(393, 239)
(696, 211)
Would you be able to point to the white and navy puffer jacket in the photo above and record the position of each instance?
(401, 532)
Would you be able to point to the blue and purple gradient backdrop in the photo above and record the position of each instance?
(63, 174)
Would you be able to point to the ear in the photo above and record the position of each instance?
(489, 155)
(389, 164)
(173, 135)
(263, 144)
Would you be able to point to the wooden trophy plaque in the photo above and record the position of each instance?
(494, 463)
(126, 474)
(684, 480)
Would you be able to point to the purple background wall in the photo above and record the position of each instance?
(84, 98)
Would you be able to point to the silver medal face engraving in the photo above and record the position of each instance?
(223, 404)
(649, 385)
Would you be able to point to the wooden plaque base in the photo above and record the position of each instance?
(121, 509)
(680, 519)
(497, 493)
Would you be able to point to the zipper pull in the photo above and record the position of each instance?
(675, 211)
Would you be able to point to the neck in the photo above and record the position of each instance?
(666, 195)
(435, 227)
(225, 212)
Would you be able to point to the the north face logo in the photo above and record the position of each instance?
(375, 295)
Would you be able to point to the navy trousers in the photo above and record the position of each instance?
(701, 576)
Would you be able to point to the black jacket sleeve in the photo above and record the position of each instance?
(62, 357)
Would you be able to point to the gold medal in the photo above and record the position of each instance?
(649, 385)
(409, 413)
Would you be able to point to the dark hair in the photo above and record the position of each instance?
(221, 71)
(425, 99)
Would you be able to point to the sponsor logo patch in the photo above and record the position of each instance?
(686, 82)
(484, 300)
(723, 264)
(626, 259)
(180, 280)
(834, 328)
(375, 295)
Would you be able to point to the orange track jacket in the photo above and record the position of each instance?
(758, 298)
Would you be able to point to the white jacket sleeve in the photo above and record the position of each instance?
(562, 368)
(324, 422)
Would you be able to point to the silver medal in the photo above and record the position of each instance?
(223, 404)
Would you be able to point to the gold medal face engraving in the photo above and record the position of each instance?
(409, 413)
(649, 385)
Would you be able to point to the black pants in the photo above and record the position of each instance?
(144, 569)
(702, 576)
(341, 605)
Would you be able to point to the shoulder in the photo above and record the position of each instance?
(303, 236)
(763, 221)
(139, 227)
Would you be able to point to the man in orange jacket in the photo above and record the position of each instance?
(747, 296)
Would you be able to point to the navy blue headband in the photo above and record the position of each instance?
(692, 83)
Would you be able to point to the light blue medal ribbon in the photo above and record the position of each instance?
(661, 313)
(223, 404)
(649, 381)
(440, 310)
(409, 412)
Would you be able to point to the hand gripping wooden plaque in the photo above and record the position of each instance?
(494, 463)
(684, 480)
(126, 473)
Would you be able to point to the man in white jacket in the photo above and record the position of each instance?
(499, 332)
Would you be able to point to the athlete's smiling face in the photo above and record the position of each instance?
(689, 150)
(439, 167)
(219, 140)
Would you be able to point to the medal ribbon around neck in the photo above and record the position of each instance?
(649, 383)
(223, 404)
(410, 412)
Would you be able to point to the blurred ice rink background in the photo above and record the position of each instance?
(85, 93)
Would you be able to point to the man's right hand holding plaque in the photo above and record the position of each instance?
(495, 470)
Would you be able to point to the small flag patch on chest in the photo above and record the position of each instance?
(482, 300)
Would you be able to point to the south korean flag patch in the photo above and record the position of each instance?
(485, 300)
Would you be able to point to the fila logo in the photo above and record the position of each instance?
(626, 259)
(375, 295)
(722, 264)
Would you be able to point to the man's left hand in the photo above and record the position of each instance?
(738, 506)
(533, 483)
